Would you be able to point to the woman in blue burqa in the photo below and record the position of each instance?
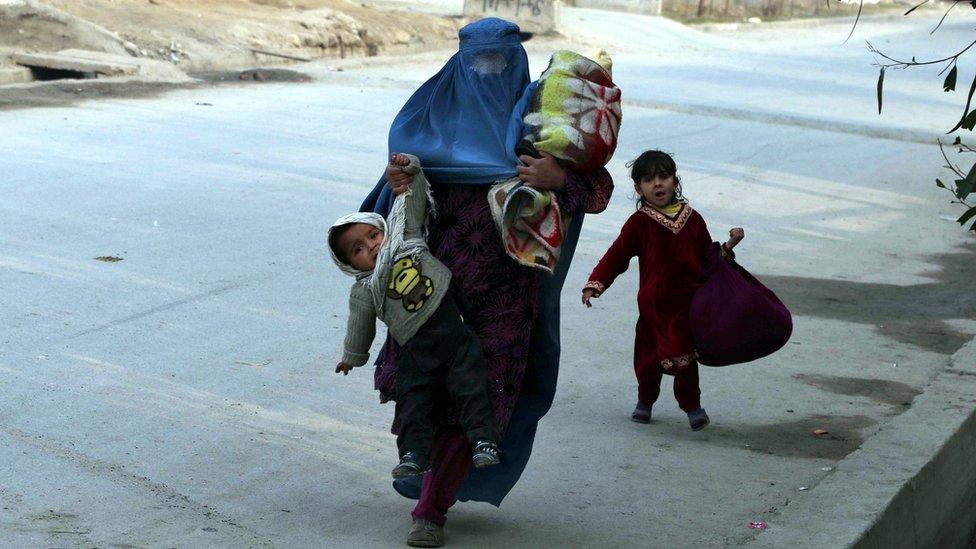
(463, 125)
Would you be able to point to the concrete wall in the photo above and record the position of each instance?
(647, 7)
(537, 16)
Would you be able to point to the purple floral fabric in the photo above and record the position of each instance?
(501, 296)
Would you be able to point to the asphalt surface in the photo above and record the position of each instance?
(184, 395)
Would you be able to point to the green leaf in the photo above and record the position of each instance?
(970, 213)
(881, 84)
(965, 112)
(939, 184)
(969, 122)
(965, 187)
(860, 7)
(974, 4)
(950, 81)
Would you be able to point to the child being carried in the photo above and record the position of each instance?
(400, 282)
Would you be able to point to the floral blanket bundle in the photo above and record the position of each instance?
(531, 223)
(574, 112)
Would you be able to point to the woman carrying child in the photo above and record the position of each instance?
(671, 242)
(457, 124)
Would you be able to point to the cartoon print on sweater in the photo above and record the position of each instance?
(408, 283)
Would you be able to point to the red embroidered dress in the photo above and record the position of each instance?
(671, 253)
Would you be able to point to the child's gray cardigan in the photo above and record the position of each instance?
(408, 282)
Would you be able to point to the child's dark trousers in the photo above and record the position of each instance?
(444, 356)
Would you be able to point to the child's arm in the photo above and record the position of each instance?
(725, 250)
(397, 180)
(735, 236)
(360, 331)
(417, 196)
(614, 262)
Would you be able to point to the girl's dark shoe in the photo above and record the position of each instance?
(410, 464)
(642, 413)
(485, 454)
(698, 419)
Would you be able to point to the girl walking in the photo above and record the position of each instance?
(670, 240)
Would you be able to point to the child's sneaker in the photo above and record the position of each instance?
(642, 413)
(485, 454)
(410, 464)
(698, 419)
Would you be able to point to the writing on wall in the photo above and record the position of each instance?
(530, 15)
(521, 8)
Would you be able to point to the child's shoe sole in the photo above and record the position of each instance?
(405, 474)
(485, 462)
(401, 471)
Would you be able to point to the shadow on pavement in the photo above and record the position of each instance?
(881, 390)
(914, 315)
(795, 438)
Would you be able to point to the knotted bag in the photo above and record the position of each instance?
(734, 318)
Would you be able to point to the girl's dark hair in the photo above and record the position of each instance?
(652, 164)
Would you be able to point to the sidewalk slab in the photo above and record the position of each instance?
(913, 484)
(77, 61)
(103, 64)
(15, 75)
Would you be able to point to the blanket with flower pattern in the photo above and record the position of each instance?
(531, 223)
(574, 115)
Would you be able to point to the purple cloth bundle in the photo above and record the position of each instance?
(734, 318)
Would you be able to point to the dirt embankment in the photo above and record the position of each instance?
(206, 35)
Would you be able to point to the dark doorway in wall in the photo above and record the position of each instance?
(44, 73)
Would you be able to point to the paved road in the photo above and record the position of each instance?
(184, 395)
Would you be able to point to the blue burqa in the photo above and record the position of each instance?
(463, 124)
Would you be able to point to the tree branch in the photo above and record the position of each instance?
(899, 64)
(949, 163)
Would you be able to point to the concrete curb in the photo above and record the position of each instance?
(913, 484)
